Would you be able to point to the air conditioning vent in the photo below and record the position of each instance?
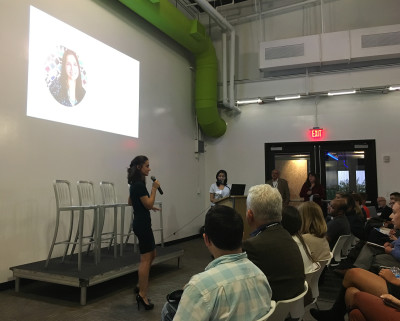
(334, 48)
(284, 52)
(379, 40)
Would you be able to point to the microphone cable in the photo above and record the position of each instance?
(194, 218)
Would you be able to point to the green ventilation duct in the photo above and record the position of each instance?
(191, 35)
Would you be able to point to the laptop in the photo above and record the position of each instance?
(237, 189)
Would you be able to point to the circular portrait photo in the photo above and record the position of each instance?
(66, 76)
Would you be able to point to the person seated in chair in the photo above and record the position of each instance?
(382, 209)
(368, 307)
(339, 225)
(376, 256)
(270, 246)
(356, 280)
(231, 287)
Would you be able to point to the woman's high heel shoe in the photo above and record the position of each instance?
(139, 300)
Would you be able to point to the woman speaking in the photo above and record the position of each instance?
(220, 188)
(142, 203)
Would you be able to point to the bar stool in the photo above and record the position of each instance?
(62, 190)
(86, 197)
(109, 199)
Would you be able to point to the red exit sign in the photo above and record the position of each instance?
(316, 133)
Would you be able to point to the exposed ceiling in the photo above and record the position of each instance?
(241, 7)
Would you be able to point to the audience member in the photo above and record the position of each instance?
(382, 210)
(368, 307)
(356, 280)
(389, 255)
(364, 206)
(231, 287)
(313, 230)
(282, 186)
(393, 197)
(374, 235)
(354, 216)
(339, 225)
(271, 247)
(359, 209)
(291, 222)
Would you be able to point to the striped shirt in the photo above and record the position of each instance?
(231, 288)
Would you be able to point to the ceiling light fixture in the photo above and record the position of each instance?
(288, 97)
(341, 92)
(394, 87)
(249, 101)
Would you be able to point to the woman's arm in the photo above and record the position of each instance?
(212, 199)
(391, 301)
(387, 275)
(303, 191)
(148, 202)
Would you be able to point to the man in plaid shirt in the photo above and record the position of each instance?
(231, 287)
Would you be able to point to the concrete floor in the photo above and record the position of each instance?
(114, 300)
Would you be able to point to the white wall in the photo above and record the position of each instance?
(241, 150)
(371, 116)
(34, 152)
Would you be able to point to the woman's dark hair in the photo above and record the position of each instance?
(317, 182)
(291, 221)
(224, 227)
(134, 173)
(357, 198)
(226, 177)
(351, 205)
(79, 91)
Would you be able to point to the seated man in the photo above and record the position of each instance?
(339, 225)
(382, 209)
(231, 287)
(271, 247)
(387, 256)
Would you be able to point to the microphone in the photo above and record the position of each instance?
(153, 178)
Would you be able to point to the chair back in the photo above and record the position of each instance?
(108, 193)
(313, 278)
(337, 249)
(294, 307)
(348, 245)
(271, 310)
(86, 193)
(62, 190)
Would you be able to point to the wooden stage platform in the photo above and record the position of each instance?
(108, 268)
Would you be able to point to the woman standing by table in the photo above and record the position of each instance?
(142, 203)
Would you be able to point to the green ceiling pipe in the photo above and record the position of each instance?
(191, 35)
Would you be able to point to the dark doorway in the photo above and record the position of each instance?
(348, 166)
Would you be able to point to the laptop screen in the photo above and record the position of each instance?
(238, 189)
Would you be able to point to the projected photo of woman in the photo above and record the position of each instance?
(67, 87)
